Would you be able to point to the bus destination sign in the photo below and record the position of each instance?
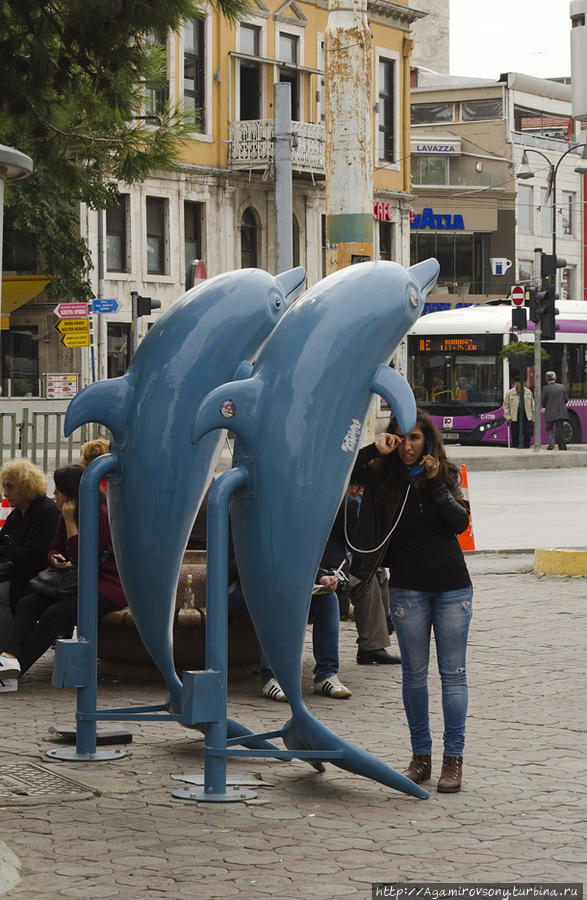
(449, 345)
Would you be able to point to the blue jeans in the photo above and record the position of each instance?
(325, 614)
(414, 614)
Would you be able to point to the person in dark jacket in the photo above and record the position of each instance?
(26, 534)
(417, 511)
(39, 619)
(555, 399)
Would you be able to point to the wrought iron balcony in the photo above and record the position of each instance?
(252, 146)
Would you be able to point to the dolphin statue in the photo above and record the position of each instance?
(207, 336)
(298, 420)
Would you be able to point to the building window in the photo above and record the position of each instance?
(430, 113)
(568, 212)
(116, 240)
(192, 213)
(156, 233)
(194, 71)
(386, 240)
(20, 362)
(288, 53)
(119, 345)
(156, 93)
(249, 234)
(474, 110)
(525, 271)
(462, 259)
(430, 169)
(250, 73)
(386, 142)
(545, 211)
(525, 209)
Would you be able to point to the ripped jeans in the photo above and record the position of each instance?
(414, 614)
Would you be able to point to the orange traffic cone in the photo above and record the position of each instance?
(5, 510)
(467, 538)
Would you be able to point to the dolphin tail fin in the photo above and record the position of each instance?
(425, 274)
(105, 402)
(394, 388)
(292, 282)
(304, 732)
(230, 405)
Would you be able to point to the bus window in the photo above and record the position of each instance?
(448, 371)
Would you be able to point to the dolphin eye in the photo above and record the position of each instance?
(277, 303)
(413, 297)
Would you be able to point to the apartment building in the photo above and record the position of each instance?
(219, 207)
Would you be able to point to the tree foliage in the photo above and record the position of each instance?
(73, 76)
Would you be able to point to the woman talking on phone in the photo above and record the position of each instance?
(412, 490)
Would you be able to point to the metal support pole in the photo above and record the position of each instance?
(86, 653)
(134, 334)
(538, 364)
(100, 321)
(283, 178)
(215, 789)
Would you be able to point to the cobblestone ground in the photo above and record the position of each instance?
(520, 816)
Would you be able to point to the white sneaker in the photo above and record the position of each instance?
(9, 668)
(332, 687)
(8, 684)
(273, 691)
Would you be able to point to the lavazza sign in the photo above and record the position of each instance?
(437, 221)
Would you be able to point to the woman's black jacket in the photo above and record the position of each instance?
(25, 539)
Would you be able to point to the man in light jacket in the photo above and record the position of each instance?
(511, 410)
(554, 398)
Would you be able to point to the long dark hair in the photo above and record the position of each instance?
(67, 480)
(392, 474)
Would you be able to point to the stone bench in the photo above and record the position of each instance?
(122, 653)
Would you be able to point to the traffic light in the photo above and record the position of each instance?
(549, 264)
(549, 323)
(143, 306)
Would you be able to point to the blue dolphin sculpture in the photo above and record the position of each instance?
(298, 421)
(208, 335)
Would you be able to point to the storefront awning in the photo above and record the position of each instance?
(19, 289)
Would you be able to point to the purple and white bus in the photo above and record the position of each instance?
(459, 378)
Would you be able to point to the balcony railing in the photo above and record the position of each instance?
(252, 146)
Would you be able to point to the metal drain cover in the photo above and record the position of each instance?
(25, 784)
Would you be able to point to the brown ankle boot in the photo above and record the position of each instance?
(420, 768)
(451, 775)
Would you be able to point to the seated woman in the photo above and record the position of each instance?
(39, 619)
(26, 535)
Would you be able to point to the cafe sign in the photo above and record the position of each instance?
(382, 211)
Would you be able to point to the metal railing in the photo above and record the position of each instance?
(38, 436)
(252, 145)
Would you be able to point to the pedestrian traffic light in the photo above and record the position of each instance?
(143, 306)
(535, 304)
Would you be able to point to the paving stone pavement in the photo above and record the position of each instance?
(520, 816)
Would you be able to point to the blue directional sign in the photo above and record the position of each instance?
(110, 305)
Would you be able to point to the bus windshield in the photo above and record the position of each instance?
(452, 374)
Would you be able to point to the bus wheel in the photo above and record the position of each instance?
(572, 428)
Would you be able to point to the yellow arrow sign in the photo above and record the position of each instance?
(76, 340)
(72, 326)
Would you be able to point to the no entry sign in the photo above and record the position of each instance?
(518, 295)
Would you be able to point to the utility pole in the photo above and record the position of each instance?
(537, 365)
(283, 182)
(349, 129)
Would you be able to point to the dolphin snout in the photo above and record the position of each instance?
(425, 274)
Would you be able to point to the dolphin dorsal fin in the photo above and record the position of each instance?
(232, 406)
(105, 402)
(394, 388)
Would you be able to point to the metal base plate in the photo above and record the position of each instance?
(70, 754)
(232, 795)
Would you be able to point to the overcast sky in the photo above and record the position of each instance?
(530, 36)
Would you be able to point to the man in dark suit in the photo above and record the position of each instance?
(554, 398)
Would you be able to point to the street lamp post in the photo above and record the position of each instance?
(525, 172)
